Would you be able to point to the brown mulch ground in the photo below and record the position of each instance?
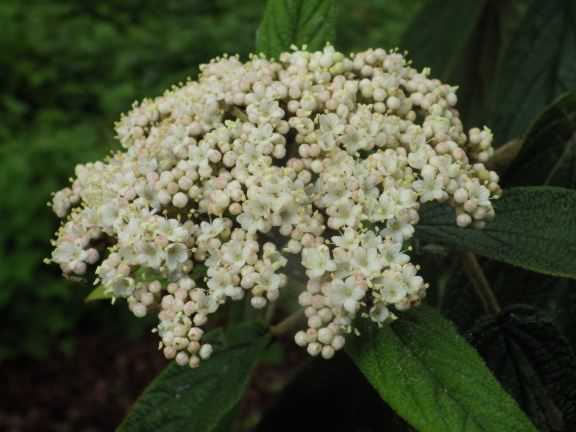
(89, 391)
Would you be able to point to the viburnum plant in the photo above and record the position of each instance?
(301, 172)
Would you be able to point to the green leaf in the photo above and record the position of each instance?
(98, 293)
(548, 154)
(534, 362)
(296, 22)
(185, 399)
(539, 65)
(461, 41)
(438, 36)
(534, 228)
(433, 378)
(375, 23)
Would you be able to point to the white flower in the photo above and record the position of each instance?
(70, 253)
(346, 294)
(392, 253)
(429, 189)
(176, 254)
(211, 230)
(366, 260)
(348, 240)
(344, 213)
(172, 230)
(122, 286)
(150, 255)
(286, 210)
(234, 253)
(379, 313)
(320, 154)
(271, 281)
(317, 261)
(390, 287)
(264, 111)
(108, 214)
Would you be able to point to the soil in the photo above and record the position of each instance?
(89, 391)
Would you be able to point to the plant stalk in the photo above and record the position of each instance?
(505, 155)
(288, 324)
(480, 283)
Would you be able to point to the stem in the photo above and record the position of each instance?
(480, 283)
(270, 312)
(288, 324)
(503, 156)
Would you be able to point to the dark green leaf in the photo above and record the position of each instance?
(184, 399)
(548, 154)
(296, 22)
(534, 228)
(433, 378)
(98, 293)
(539, 65)
(375, 23)
(460, 40)
(534, 362)
(438, 36)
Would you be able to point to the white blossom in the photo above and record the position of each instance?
(346, 293)
(323, 156)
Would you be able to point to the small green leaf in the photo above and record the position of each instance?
(548, 154)
(539, 65)
(98, 293)
(433, 378)
(146, 275)
(534, 228)
(296, 22)
(185, 399)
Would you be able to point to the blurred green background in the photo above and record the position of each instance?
(68, 69)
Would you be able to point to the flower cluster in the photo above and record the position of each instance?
(317, 161)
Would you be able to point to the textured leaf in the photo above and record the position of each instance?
(438, 36)
(433, 378)
(534, 362)
(185, 399)
(98, 293)
(539, 65)
(460, 40)
(296, 22)
(548, 154)
(534, 228)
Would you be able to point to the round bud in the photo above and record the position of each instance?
(206, 351)
(314, 349)
(327, 352)
(463, 220)
(182, 358)
(300, 338)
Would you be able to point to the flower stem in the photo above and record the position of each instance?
(288, 324)
(505, 155)
(270, 310)
(480, 283)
